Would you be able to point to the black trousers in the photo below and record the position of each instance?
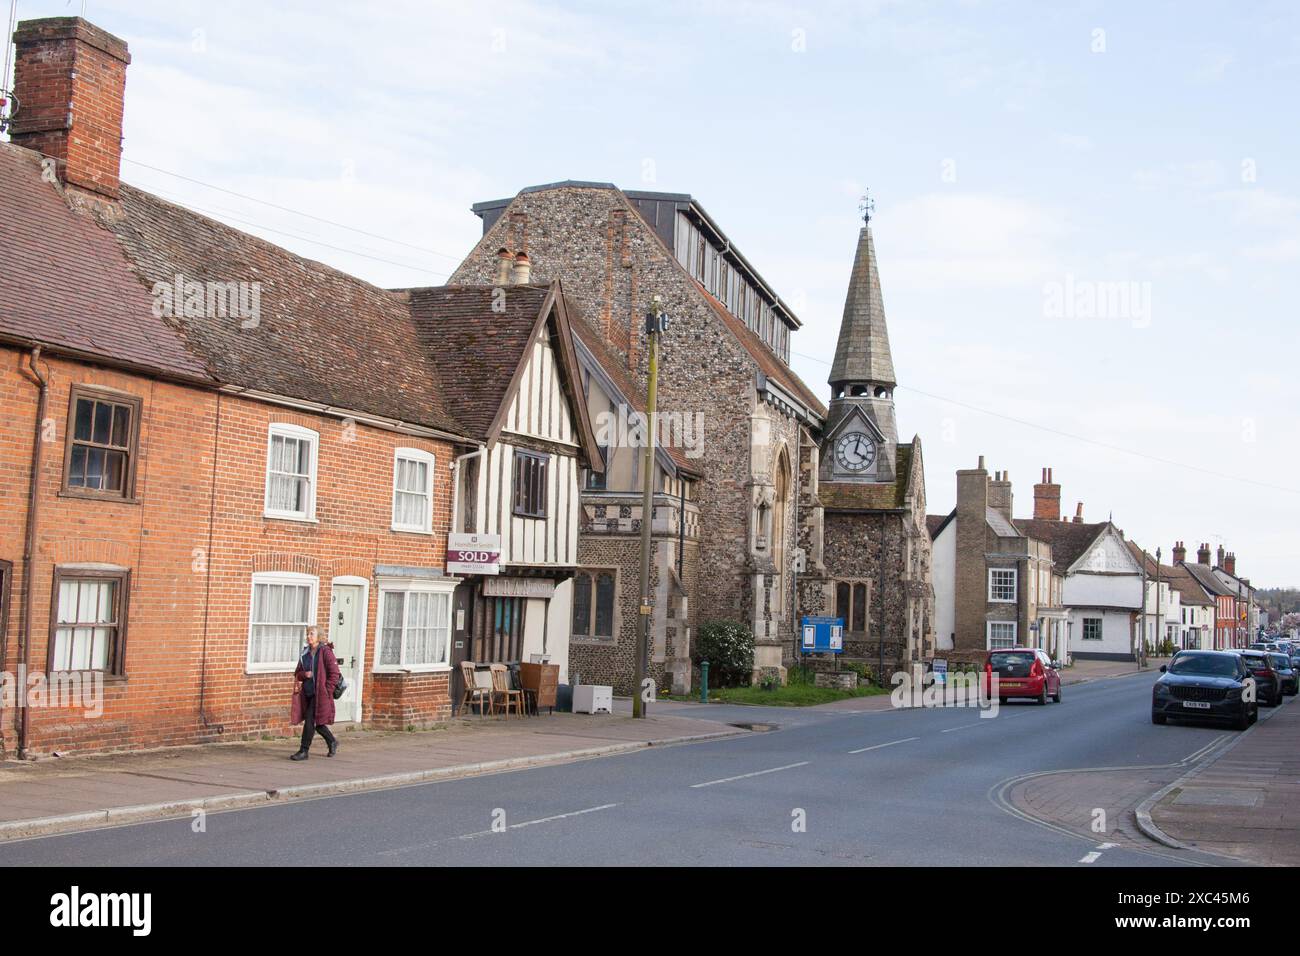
(310, 728)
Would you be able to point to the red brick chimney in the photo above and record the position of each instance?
(1047, 498)
(70, 82)
(1203, 554)
(1180, 553)
(1078, 513)
(1230, 563)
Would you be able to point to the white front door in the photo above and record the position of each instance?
(347, 607)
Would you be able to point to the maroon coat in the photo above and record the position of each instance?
(328, 668)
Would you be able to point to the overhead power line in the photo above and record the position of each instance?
(1080, 438)
(295, 212)
(226, 215)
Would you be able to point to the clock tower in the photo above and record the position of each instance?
(868, 545)
(860, 442)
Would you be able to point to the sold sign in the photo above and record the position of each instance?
(473, 554)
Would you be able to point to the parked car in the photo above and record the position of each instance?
(1023, 672)
(1205, 685)
(1286, 673)
(1268, 684)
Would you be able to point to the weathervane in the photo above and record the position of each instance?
(866, 206)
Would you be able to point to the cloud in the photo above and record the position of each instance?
(972, 239)
(1074, 141)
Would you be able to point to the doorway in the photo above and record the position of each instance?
(347, 634)
(462, 609)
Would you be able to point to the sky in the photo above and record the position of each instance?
(1087, 215)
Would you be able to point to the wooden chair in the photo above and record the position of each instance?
(475, 692)
(501, 686)
(483, 681)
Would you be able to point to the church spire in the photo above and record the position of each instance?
(862, 357)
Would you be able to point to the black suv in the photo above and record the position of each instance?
(1207, 685)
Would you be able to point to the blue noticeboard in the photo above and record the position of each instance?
(824, 635)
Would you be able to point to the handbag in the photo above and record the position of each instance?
(341, 687)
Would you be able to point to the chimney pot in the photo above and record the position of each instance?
(1078, 513)
(523, 269)
(504, 263)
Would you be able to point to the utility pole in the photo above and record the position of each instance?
(1159, 612)
(1142, 615)
(656, 322)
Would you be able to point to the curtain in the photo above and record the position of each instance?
(288, 474)
(411, 500)
(84, 630)
(390, 651)
(280, 618)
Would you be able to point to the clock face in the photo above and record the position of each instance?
(855, 451)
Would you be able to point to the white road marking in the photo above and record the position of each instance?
(1192, 756)
(1090, 857)
(878, 746)
(962, 727)
(1107, 846)
(743, 776)
(529, 823)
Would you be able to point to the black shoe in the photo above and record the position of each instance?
(334, 747)
(300, 755)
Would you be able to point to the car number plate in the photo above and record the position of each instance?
(1196, 704)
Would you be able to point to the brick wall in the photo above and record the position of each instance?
(192, 540)
(70, 80)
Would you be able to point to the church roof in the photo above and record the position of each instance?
(855, 496)
(862, 354)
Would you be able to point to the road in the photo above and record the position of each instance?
(914, 787)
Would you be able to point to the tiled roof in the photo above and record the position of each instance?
(1182, 581)
(851, 496)
(631, 393)
(483, 347)
(1207, 579)
(862, 352)
(934, 523)
(1068, 540)
(323, 336)
(1000, 525)
(66, 284)
(768, 362)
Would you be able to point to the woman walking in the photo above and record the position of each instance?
(317, 676)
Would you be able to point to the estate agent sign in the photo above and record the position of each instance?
(473, 554)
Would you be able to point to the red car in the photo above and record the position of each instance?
(1023, 672)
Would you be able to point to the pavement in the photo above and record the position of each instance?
(1243, 802)
(59, 795)
(819, 786)
(55, 795)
